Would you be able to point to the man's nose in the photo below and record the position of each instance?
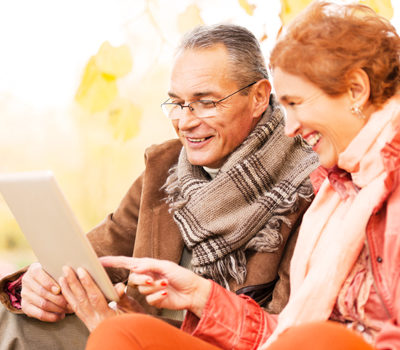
(292, 125)
(187, 119)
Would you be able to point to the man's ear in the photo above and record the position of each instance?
(359, 87)
(260, 97)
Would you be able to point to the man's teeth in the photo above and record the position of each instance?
(196, 140)
(313, 139)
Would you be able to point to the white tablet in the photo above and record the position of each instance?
(51, 227)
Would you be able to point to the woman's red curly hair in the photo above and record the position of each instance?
(328, 41)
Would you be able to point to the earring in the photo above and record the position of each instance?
(357, 111)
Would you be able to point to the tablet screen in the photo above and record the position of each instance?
(50, 226)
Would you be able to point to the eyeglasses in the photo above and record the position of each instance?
(200, 108)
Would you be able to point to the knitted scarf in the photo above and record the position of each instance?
(244, 206)
(332, 233)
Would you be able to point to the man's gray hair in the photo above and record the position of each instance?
(244, 51)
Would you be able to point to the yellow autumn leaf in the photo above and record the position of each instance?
(263, 38)
(96, 90)
(383, 7)
(189, 19)
(98, 87)
(124, 118)
(115, 61)
(290, 8)
(247, 7)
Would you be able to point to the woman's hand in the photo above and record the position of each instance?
(165, 284)
(85, 298)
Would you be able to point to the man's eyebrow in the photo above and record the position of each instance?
(196, 94)
(204, 93)
(172, 95)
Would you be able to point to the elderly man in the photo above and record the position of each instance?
(225, 199)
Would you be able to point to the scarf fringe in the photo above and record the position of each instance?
(233, 265)
(173, 190)
(268, 240)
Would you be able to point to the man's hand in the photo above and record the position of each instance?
(165, 284)
(85, 298)
(40, 296)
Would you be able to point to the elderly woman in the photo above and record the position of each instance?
(337, 73)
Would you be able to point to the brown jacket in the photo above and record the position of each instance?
(142, 227)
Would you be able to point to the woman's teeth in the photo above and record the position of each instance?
(313, 139)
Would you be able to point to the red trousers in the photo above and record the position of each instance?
(143, 332)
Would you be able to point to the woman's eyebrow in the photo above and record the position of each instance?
(283, 98)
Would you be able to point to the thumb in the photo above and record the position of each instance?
(120, 289)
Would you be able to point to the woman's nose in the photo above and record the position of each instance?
(292, 125)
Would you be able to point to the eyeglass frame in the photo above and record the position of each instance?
(192, 109)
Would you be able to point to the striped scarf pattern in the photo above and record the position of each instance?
(243, 207)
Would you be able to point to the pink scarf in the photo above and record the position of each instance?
(332, 233)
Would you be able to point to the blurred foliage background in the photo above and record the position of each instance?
(81, 84)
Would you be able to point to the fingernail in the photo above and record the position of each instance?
(164, 293)
(55, 289)
(164, 283)
(80, 272)
(149, 282)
